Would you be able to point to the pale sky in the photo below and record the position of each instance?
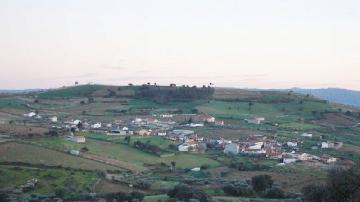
(247, 44)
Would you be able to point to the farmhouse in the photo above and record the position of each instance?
(96, 126)
(331, 145)
(161, 133)
(142, 132)
(54, 119)
(30, 115)
(292, 144)
(305, 157)
(257, 120)
(78, 139)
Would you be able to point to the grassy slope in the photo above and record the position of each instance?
(49, 179)
(128, 154)
(70, 92)
(36, 155)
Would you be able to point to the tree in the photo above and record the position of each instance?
(4, 197)
(127, 139)
(84, 149)
(121, 196)
(187, 193)
(250, 105)
(173, 165)
(261, 182)
(341, 185)
(315, 193)
(238, 190)
(274, 193)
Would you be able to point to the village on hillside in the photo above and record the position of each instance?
(151, 139)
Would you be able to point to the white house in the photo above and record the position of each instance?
(76, 122)
(324, 145)
(232, 148)
(257, 120)
(166, 115)
(163, 133)
(331, 160)
(137, 120)
(196, 169)
(30, 115)
(210, 119)
(256, 146)
(54, 119)
(194, 125)
(291, 144)
(96, 125)
(305, 157)
(307, 135)
(78, 139)
(125, 128)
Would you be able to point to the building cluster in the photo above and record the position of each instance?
(171, 127)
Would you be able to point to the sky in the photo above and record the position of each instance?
(231, 43)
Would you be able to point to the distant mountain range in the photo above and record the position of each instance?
(337, 95)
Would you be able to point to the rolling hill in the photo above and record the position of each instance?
(337, 95)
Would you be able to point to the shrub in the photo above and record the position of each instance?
(121, 196)
(261, 182)
(274, 193)
(187, 193)
(238, 190)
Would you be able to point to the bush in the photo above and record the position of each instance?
(261, 182)
(238, 190)
(341, 185)
(121, 196)
(274, 193)
(315, 193)
(186, 193)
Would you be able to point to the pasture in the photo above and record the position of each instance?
(16, 152)
(71, 182)
(127, 153)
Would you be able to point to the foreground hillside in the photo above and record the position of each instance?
(150, 139)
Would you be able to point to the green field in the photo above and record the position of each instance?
(70, 92)
(11, 103)
(127, 154)
(37, 155)
(71, 182)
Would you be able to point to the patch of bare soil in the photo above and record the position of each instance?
(22, 130)
(337, 119)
